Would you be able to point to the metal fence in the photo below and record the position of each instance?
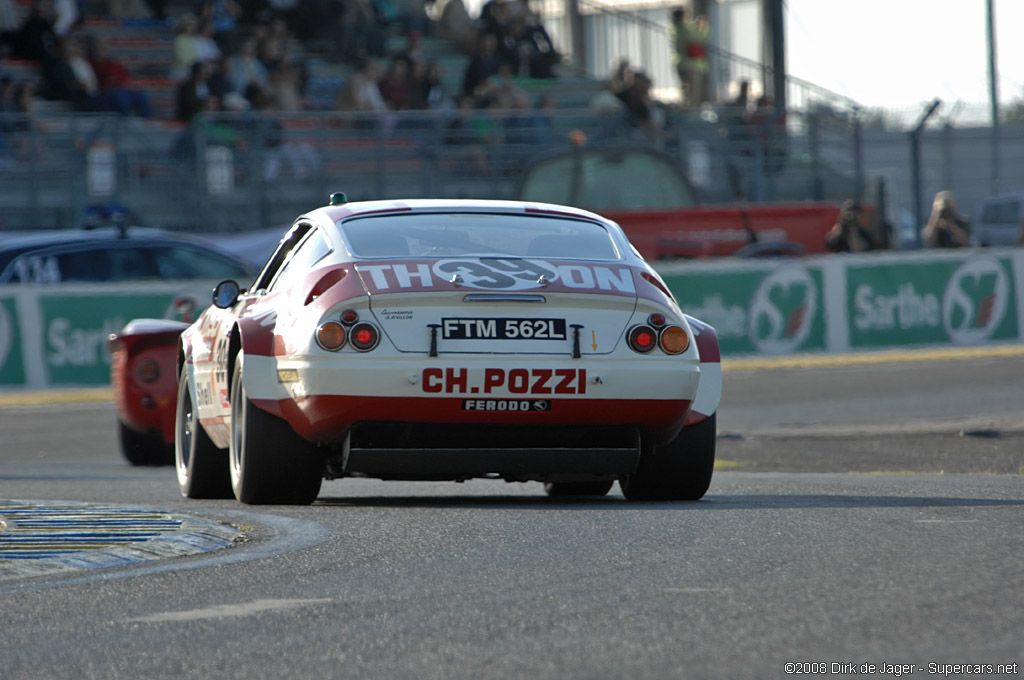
(640, 35)
(242, 172)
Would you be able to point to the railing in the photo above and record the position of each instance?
(612, 33)
(236, 173)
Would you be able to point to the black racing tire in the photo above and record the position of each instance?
(270, 463)
(143, 448)
(679, 471)
(202, 467)
(569, 489)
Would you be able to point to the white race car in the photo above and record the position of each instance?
(448, 340)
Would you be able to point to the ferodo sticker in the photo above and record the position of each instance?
(506, 405)
(498, 274)
(541, 381)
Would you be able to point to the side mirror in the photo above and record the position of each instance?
(226, 294)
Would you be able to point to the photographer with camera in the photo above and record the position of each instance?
(849, 234)
(946, 227)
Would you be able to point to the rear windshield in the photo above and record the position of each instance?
(446, 235)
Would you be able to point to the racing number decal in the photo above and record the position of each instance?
(515, 381)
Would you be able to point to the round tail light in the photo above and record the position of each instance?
(364, 336)
(147, 371)
(674, 340)
(330, 336)
(642, 339)
(657, 320)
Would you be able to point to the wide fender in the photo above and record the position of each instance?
(255, 336)
(709, 390)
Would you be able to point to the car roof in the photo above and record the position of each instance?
(22, 240)
(15, 244)
(362, 208)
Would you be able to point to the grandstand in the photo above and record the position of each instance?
(278, 163)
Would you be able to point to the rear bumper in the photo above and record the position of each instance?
(323, 398)
(327, 419)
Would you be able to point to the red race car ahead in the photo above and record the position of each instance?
(447, 340)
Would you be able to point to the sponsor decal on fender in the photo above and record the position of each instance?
(540, 381)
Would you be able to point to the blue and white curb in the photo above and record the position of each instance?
(45, 537)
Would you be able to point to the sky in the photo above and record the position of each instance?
(901, 53)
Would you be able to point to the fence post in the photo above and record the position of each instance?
(915, 166)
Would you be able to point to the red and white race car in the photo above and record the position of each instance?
(447, 340)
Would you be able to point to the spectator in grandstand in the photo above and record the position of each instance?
(35, 38)
(427, 89)
(6, 94)
(9, 22)
(193, 92)
(497, 18)
(849, 234)
(220, 81)
(501, 91)
(621, 78)
(287, 83)
(947, 227)
(185, 50)
(689, 55)
(66, 16)
(642, 112)
(362, 94)
(115, 94)
(394, 87)
(27, 143)
(272, 41)
(298, 156)
(528, 130)
(222, 16)
(362, 30)
(412, 52)
(77, 82)
(483, 64)
(537, 56)
(6, 126)
(247, 69)
(469, 134)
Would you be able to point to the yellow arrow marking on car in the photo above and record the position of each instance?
(593, 339)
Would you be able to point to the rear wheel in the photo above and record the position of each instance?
(269, 462)
(143, 448)
(566, 489)
(202, 467)
(679, 471)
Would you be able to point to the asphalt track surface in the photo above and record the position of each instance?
(864, 512)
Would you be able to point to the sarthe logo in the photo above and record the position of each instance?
(782, 310)
(975, 301)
